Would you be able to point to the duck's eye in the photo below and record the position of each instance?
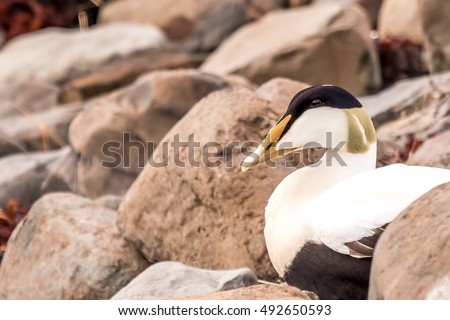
(316, 103)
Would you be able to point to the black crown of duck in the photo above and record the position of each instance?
(316, 97)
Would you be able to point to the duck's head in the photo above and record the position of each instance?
(322, 116)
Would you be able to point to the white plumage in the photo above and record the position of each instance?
(369, 200)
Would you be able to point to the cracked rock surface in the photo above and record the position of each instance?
(203, 215)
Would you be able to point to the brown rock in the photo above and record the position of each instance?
(316, 44)
(401, 41)
(67, 248)
(373, 9)
(67, 53)
(177, 21)
(28, 176)
(124, 71)
(202, 24)
(109, 201)
(434, 152)
(435, 18)
(422, 22)
(42, 130)
(411, 111)
(207, 214)
(280, 90)
(400, 19)
(371, 6)
(411, 258)
(127, 124)
(258, 292)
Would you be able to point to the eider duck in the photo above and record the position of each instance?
(322, 221)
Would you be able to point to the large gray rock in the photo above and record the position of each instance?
(38, 130)
(411, 258)
(130, 122)
(65, 53)
(168, 280)
(67, 247)
(371, 6)
(198, 208)
(201, 23)
(316, 44)
(28, 176)
(258, 8)
(123, 71)
(280, 90)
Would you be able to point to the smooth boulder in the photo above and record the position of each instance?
(201, 24)
(27, 176)
(400, 19)
(125, 70)
(66, 53)
(126, 125)
(169, 280)
(316, 44)
(35, 131)
(280, 90)
(193, 204)
(411, 258)
(67, 247)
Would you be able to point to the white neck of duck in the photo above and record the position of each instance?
(288, 205)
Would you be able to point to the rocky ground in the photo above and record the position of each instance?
(151, 73)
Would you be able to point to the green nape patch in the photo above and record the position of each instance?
(359, 125)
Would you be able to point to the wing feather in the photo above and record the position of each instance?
(364, 247)
(351, 216)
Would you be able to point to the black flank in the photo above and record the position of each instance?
(329, 274)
